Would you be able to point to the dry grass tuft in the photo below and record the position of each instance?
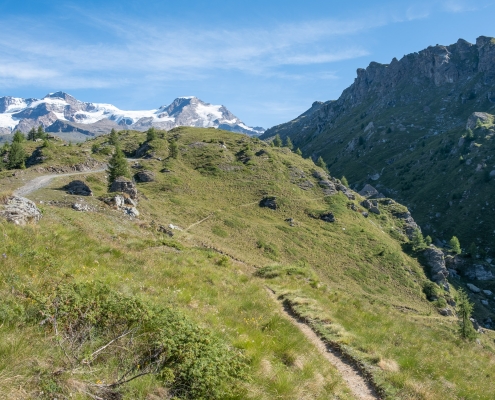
(388, 365)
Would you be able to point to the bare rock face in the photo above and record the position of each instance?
(435, 260)
(368, 191)
(477, 116)
(20, 211)
(78, 188)
(124, 185)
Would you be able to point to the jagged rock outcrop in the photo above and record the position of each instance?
(20, 211)
(124, 185)
(435, 260)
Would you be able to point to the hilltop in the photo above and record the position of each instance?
(420, 130)
(220, 246)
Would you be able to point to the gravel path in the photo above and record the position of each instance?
(41, 181)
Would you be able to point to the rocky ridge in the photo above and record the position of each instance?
(404, 128)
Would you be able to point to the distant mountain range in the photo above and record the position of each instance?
(62, 113)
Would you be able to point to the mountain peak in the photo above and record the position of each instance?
(23, 114)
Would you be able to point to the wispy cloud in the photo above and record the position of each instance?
(138, 50)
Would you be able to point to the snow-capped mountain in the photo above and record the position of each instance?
(60, 112)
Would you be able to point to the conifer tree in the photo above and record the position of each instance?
(16, 157)
(464, 310)
(18, 137)
(428, 240)
(455, 245)
(473, 250)
(113, 139)
(277, 142)
(344, 181)
(418, 241)
(32, 134)
(322, 164)
(173, 149)
(117, 166)
(299, 152)
(150, 134)
(40, 133)
(288, 143)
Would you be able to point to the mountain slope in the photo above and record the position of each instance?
(203, 246)
(60, 112)
(403, 128)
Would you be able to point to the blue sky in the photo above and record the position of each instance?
(266, 61)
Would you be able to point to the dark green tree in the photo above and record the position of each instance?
(322, 164)
(428, 240)
(288, 143)
(472, 250)
(464, 310)
(18, 137)
(469, 134)
(32, 134)
(114, 138)
(455, 245)
(299, 152)
(40, 133)
(344, 181)
(117, 166)
(173, 149)
(277, 142)
(16, 157)
(150, 134)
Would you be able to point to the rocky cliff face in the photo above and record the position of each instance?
(402, 127)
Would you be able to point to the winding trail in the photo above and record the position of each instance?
(354, 379)
(43, 180)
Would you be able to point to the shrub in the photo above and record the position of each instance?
(100, 326)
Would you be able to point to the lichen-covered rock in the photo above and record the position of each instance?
(327, 217)
(20, 211)
(78, 188)
(124, 185)
(269, 202)
(328, 187)
(144, 176)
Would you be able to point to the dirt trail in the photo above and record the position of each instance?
(354, 379)
(41, 181)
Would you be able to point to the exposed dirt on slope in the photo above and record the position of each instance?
(354, 379)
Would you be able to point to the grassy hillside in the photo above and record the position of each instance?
(209, 286)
